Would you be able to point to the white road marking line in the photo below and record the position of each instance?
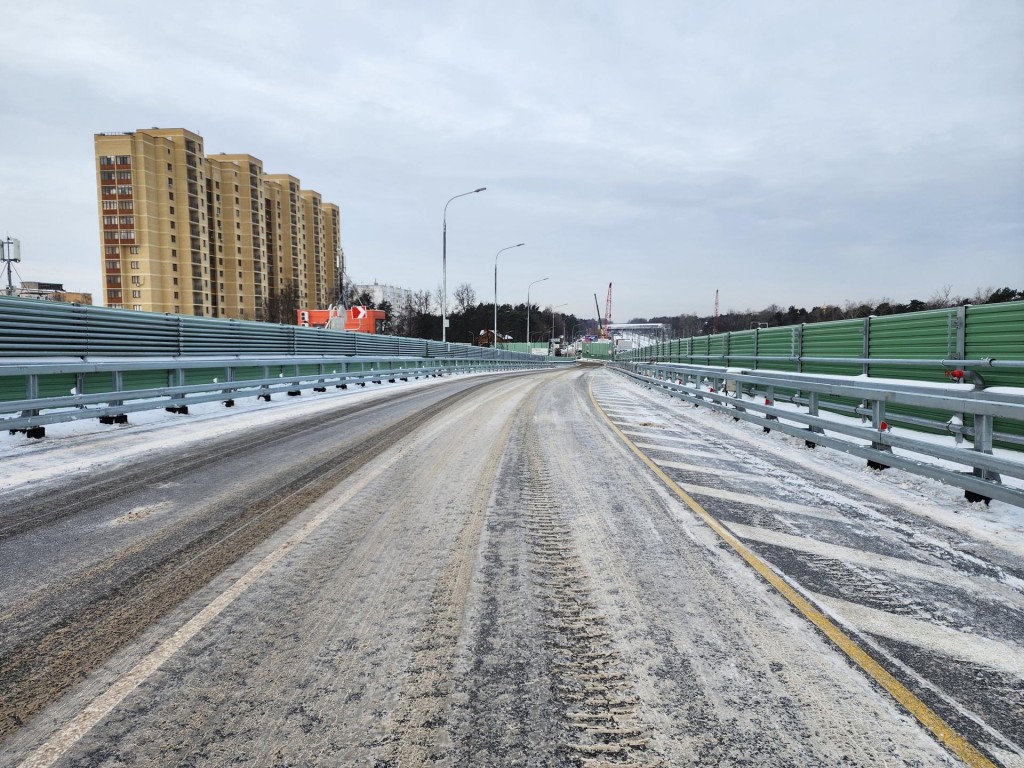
(695, 451)
(652, 433)
(1000, 656)
(765, 503)
(717, 471)
(937, 575)
(55, 747)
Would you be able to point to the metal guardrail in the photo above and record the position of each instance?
(971, 415)
(110, 389)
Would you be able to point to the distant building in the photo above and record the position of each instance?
(214, 235)
(52, 292)
(392, 294)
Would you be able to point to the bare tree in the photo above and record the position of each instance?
(422, 302)
(283, 306)
(465, 297)
(941, 298)
(982, 295)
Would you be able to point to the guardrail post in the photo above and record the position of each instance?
(229, 376)
(769, 399)
(176, 378)
(295, 383)
(812, 410)
(117, 379)
(878, 424)
(321, 384)
(31, 393)
(983, 434)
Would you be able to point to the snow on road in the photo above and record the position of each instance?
(509, 584)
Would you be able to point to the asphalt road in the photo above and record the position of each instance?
(484, 572)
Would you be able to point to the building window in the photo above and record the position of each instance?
(108, 190)
(133, 249)
(124, 175)
(174, 239)
(124, 190)
(113, 263)
(124, 160)
(170, 167)
(113, 279)
(125, 205)
(137, 307)
(173, 226)
(127, 220)
(106, 160)
(136, 294)
(107, 176)
(111, 250)
(134, 264)
(136, 279)
(175, 282)
(110, 220)
(172, 210)
(170, 195)
(177, 308)
(175, 294)
(110, 205)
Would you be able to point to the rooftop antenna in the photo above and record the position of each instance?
(10, 252)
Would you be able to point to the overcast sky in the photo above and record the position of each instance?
(786, 152)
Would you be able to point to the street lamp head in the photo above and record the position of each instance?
(518, 244)
(482, 189)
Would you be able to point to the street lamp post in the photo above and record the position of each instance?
(444, 264)
(496, 288)
(529, 348)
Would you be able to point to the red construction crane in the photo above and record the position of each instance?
(608, 313)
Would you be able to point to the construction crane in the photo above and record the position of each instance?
(608, 313)
(601, 334)
(714, 318)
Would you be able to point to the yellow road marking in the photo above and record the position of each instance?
(953, 741)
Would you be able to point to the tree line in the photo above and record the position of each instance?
(685, 325)
(419, 316)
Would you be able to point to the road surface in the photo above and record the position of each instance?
(532, 569)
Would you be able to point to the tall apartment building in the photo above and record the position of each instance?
(213, 236)
(378, 293)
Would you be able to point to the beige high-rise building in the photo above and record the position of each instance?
(236, 206)
(335, 256)
(213, 236)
